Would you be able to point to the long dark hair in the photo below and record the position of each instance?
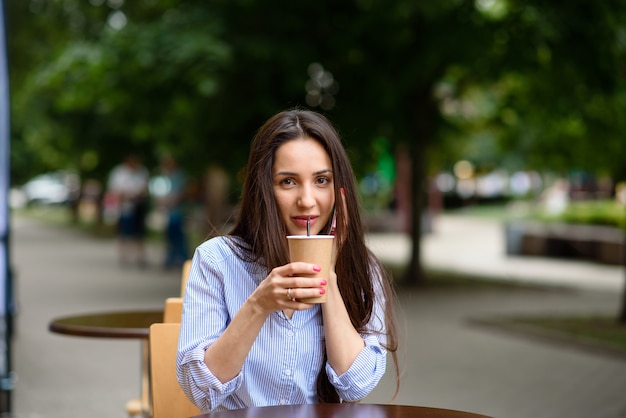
(263, 233)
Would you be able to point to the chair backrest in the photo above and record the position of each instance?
(168, 399)
(173, 312)
(185, 275)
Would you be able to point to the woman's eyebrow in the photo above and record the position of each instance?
(324, 171)
(285, 173)
(293, 173)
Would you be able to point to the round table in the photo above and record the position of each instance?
(126, 324)
(130, 324)
(343, 410)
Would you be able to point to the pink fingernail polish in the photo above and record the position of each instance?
(343, 192)
(322, 291)
(317, 269)
(323, 282)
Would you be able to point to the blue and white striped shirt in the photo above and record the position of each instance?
(286, 357)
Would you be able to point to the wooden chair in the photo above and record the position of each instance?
(174, 306)
(173, 310)
(185, 275)
(168, 399)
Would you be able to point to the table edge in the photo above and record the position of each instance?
(56, 327)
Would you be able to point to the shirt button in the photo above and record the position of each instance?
(288, 372)
(290, 333)
(283, 401)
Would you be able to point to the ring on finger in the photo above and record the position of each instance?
(289, 296)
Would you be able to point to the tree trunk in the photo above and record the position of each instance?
(423, 122)
(415, 274)
(622, 314)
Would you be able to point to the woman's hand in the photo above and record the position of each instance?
(282, 288)
(278, 291)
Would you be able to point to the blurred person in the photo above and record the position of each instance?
(556, 197)
(128, 186)
(620, 192)
(247, 338)
(173, 202)
(216, 187)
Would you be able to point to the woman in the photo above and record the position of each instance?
(245, 338)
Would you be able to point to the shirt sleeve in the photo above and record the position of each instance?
(364, 373)
(370, 365)
(205, 317)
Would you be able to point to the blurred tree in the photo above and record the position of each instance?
(545, 80)
(138, 76)
(543, 83)
(530, 77)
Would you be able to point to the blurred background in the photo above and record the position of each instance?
(509, 108)
(445, 105)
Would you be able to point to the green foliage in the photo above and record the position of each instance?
(144, 87)
(549, 88)
(513, 83)
(519, 82)
(504, 83)
(593, 212)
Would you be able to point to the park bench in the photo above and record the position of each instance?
(602, 244)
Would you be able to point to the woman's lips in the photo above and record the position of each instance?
(302, 220)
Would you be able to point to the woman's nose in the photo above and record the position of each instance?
(306, 198)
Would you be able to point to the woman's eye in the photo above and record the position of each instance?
(323, 180)
(288, 182)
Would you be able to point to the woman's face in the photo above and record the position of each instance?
(303, 185)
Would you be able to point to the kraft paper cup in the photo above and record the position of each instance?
(314, 249)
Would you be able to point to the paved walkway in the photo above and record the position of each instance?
(477, 246)
(447, 362)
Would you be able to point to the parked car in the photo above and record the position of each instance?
(58, 187)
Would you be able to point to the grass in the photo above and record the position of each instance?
(61, 215)
(594, 212)
(53, 214)
(603, 329)
(442, 280)
(598, 334)
(498, 211)
(606, 212)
